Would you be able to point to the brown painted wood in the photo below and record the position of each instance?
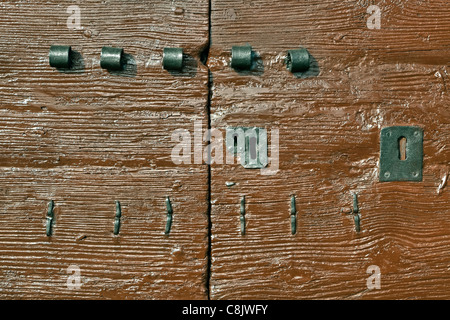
(86, 138)
(329, 121)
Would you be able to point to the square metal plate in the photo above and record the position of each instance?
(392, 168)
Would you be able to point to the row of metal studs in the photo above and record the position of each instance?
(242, 57)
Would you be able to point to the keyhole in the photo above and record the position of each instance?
(402, 148)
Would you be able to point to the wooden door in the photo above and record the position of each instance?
(329, 120)
(86, 138)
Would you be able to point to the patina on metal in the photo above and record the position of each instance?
(60, 57)
(293, 215)
(117, 219)
(50, 217)
(169, 216)
(357, 220)
(297, 60)
(241, 57)
(355, 203)
(355, 211)
(392, 166)
(112, 59)
(242, 217)
(173, 59)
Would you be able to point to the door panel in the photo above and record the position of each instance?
(87, 137)
(329, 121)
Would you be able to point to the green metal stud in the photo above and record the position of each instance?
(112, 58)
(297, 60)
(173, 59)
(60, 57)
(241, 57)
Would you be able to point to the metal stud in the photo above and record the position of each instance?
(297, 60)
(241, 57)
(60, 57)
(173, 59)
(112, 58)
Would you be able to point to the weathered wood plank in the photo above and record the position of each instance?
(142, 262)
(86, 138)
(329, 121)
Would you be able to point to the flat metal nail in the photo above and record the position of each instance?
(355, 203)
(355, 211)
(242, 217)
(117, 218)
(169, 216)
(293, 215)
(50, 217)
(357, 220)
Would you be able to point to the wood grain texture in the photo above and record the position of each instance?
(329, 120)
(86, 138)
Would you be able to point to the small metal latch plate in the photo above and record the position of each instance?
(392, 166)
(250, 144)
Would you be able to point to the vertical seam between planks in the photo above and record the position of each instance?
(208, 199)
